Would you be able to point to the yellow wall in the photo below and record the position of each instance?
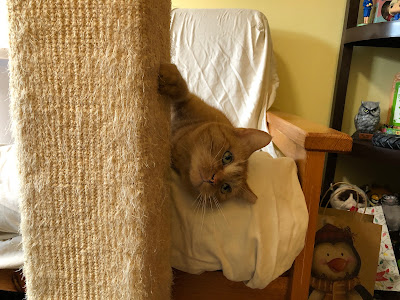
(306, 36)
(371, 76)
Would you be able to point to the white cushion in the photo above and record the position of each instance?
(11, 254)
(251, 243)
(226, 57)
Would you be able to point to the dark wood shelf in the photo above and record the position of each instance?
(375, 35)
(386, 34)
(364, 148)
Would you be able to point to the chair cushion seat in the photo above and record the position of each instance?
(252, 243)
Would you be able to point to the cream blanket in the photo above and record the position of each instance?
(251, 243)
(226, 57)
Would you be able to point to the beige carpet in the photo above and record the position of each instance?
(92, 136)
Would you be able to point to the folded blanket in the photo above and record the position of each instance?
(11, 254)
(251, 243)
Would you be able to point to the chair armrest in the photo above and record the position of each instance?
(307, 143)
(306, 134)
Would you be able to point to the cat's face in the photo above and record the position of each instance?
(218, 162)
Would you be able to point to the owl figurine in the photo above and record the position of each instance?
(368, 117)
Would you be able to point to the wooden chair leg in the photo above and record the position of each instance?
(310, 172)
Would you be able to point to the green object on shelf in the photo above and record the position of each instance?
(395, 116)
(392, 131)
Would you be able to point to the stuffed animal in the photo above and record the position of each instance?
(344, 196)
(375, 193)
(335, 266)
(391, 209)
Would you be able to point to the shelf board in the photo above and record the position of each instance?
(364, 148)
(385, 34)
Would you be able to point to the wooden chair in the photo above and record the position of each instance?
(307, 143)
(304, 141)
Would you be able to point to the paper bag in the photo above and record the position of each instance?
(345, 256)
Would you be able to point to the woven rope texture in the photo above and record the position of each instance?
(390, 141)
(92, 137)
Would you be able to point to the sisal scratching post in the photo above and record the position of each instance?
(92, 137)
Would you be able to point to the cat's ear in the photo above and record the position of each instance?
(248, 195)
(254, 139)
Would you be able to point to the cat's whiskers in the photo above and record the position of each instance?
(204, 211)
(218, 205)
(212, 211)
(196, 201)
(242, 188)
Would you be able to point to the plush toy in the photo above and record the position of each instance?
(391, 209)
(394, 9)
(344, 196)
(335, 266)
(375, 193)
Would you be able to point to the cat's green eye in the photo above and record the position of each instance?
(226, 188)
(227, 158)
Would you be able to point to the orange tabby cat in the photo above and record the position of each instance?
(208, 152)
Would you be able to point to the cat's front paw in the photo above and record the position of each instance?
(171, 83)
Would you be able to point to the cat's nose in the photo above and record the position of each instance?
(213, 180)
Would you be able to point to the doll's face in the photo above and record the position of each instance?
(335, 261)
(394, 7)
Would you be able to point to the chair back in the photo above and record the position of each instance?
(226, 57)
